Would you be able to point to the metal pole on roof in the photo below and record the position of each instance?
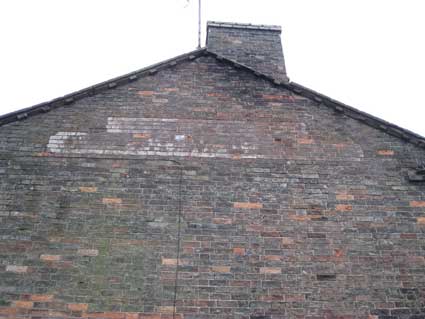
(199, 25)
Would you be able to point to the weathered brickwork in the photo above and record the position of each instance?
(203, 191)
(254, 46)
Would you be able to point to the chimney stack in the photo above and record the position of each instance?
(256, 46)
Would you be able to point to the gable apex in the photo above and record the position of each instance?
(294, 87)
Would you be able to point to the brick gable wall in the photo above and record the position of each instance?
(287, 209)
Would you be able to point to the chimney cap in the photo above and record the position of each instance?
(248, 26)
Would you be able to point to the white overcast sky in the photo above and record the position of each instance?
(369, 54)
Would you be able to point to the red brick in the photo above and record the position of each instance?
(338, 253)
(300, 218)
(43, 154)
(344, 196)
(88, 189)
(111, 200)
(78, 306)
(169, 261)
(344, 208)
(50, 257)
(173, 261)
(408, 236)
(223, 221)
(215, 94)
(220, 269)
(305, 141)
(23, 304)
(385, 152)
(145, 93)
(9, 311)
(141, 135)
(416, 203)
(420, 220)
(239, 251)
(166, 309)
(247, 205)
(41, 298)
(150, 316)
(270, 270)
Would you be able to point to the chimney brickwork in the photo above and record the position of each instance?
(256, 46)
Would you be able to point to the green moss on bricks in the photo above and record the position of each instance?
(103, 247)
(4, 303)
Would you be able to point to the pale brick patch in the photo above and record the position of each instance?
(166, 309)
(169, 261)
(246, 205)
(173, 262)
(287, 241)
(17, 269)
(270, 270)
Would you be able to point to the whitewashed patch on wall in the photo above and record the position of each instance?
(198, 138)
